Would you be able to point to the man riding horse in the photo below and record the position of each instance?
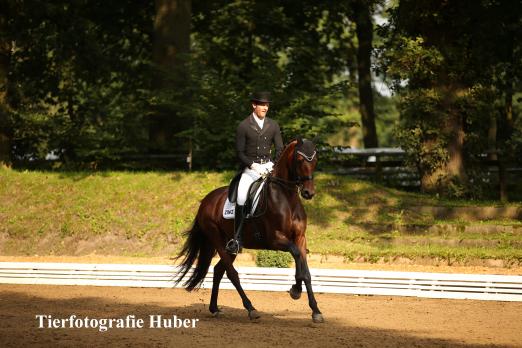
(282, 225)
(254, 138)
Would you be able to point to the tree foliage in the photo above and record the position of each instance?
(449, 61)
(95, 81)
(78, 78)
(293, 49)
(85, 78)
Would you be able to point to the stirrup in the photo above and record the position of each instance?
(233, 247)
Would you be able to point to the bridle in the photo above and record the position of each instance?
(293, 170)
(308, 158)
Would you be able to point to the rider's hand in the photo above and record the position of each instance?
(257, 168)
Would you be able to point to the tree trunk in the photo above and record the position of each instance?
(171, 39)
(503, 182)
(455, 130)
(492, 138)
(453, 171)
(507, 117)
(5, 128)
(509, 124)
(171, 47)
(364, 30)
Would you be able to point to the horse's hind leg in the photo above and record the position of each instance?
(234, 278)
(219, 270)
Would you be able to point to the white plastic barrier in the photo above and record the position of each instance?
(433, 285)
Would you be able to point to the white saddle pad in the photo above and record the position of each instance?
(229, 209)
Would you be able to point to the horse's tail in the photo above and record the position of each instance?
(196, 247)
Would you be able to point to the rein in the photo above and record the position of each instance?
(286, 184)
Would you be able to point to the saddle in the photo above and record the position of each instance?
(254, 195)
(232, 188)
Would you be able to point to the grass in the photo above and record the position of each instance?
(146, 213)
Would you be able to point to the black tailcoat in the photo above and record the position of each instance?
(254, 144)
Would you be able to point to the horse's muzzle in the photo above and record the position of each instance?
(307, 194)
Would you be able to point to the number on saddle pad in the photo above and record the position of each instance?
(254, 194)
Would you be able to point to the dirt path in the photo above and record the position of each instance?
(352, 321)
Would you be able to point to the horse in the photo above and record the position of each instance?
(282, 227)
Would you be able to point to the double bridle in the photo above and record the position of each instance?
(293, 171)
(308, 158)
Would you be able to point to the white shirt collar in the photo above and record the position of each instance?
(259, 121)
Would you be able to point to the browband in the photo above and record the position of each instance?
(308, 158)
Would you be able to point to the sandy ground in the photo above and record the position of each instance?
(351, 321)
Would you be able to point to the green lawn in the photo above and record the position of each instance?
(129, 213)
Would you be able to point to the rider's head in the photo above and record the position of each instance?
(260, 103)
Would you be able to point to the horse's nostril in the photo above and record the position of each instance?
(307, 194)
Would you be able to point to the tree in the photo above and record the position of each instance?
(296, 49)
(77, 77)
(171, 48)
(448, 60)
(507, 76)
(5, 54)
(364, 28)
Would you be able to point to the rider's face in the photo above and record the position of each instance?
(260, 109)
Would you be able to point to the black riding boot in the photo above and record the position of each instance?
(235, 245)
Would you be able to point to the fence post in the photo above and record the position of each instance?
(189, 156)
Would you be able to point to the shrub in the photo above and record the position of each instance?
(271, 258)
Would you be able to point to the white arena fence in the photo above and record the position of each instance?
(419, 284)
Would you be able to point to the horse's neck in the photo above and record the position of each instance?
(286, 188)
(282, 167)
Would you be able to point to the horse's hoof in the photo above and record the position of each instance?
(295, 294)
(217, 314)
(317, 318)
(253, 314)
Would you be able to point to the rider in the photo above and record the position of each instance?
(254, 138)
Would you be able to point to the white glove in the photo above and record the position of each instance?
(269, 167)
(259, 169)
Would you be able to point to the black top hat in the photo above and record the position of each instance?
(260, 97)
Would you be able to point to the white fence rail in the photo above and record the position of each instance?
(432, 285)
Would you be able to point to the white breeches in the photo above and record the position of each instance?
(247, 178)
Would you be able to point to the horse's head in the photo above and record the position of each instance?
(296, 166)
(304, 163)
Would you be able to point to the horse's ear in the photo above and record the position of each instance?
(299, 140)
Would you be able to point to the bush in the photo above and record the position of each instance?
(271, 258)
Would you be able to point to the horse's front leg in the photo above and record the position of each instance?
(317, 317)
(296, 290)
(302, 274)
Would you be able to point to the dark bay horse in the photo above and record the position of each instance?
(281, 227)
